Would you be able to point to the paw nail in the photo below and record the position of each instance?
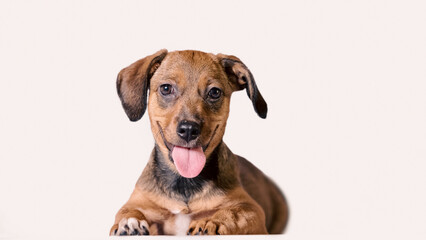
(145, 231)
(200, 231)
(135, 232)
(123, 233)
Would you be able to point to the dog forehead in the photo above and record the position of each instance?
(192, 57)
(191, 65)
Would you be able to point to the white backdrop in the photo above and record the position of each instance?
(345, 136)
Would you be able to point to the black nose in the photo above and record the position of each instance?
(188, 130)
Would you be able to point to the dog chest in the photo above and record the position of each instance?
(178, 224)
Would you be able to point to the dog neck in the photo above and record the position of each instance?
(221, 164)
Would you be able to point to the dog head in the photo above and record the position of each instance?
(188, 101)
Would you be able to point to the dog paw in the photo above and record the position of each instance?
(130, 226)
(208, 227)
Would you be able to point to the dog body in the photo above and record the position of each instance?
(193, 184)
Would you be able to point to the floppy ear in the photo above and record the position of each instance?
(240, 77)
(133, 84)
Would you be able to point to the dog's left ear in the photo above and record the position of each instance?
(133, 84)
(240, 77)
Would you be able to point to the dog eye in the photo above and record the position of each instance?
(166, 89)
(215, 93)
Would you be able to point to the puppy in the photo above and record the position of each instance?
(193, 184)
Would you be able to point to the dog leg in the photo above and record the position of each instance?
(130, 222)
(238, 220)
(239, 215)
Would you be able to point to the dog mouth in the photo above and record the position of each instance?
(188, 160)
(170, 146)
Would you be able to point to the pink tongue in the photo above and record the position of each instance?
(189, 161)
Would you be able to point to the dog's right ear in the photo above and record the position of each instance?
(133, 84)
(241, 77)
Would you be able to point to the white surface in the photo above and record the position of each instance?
(345, 136)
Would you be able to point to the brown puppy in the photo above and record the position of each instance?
(193, 184)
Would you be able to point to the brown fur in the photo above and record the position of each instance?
(231, 196)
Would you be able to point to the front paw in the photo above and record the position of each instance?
(130, 226)
(209, 227)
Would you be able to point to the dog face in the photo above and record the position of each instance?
(188, 102)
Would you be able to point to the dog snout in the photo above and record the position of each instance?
(188, 130)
